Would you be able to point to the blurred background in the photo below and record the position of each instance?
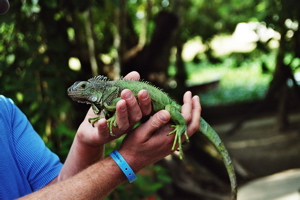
(241, 57)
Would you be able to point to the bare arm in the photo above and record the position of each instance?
(95, 182)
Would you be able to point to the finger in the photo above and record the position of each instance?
(122, 118)
(194, 125)
(104, 135)
(103, 130)
(133, 108)
(145, 102)
(132, 76)
(187, 106)
(157, 121)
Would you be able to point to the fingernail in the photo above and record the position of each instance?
(145, 95)
(102, 124)
(128, 95)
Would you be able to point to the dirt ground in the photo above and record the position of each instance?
(280, 186)
(260, 152)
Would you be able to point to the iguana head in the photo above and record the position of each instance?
(84, 92)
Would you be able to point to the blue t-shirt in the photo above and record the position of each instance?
(26, 164)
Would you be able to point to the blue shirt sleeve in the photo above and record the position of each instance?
(24, 152)
(38, 163)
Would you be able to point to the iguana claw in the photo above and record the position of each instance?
(112, 122)
(93, 120)
(179, 130)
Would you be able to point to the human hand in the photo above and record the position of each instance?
(150, 141)
(129, 112)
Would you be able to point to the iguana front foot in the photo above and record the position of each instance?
(93, 120)
(112, 122)
(179, 130)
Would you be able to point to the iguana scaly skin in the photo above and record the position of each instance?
(104, 94)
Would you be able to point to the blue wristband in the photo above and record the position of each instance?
(121, 162)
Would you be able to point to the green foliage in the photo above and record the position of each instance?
(34, 72)
(245, 83)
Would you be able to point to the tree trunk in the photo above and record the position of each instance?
(278, 87)
(119, 39)
(90, 42)
(152, 61)
(181, 75)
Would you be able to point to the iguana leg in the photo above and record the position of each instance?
(96, 110)
(180, 127)
(112, 121)
(93, 120)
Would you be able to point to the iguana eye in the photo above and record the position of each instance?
(83, 86)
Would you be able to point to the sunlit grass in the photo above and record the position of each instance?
(237, 84)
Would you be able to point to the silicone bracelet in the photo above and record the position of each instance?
(121, 162)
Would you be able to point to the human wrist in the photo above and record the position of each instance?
(133, 160)
(123, 165)
(86, 149)
(87, 139)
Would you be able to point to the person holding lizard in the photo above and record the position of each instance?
(30, 171)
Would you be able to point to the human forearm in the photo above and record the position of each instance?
(79, 158)
(95, 182)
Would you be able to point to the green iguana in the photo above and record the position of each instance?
(103, 95)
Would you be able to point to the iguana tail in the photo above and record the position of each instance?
(214, 138)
